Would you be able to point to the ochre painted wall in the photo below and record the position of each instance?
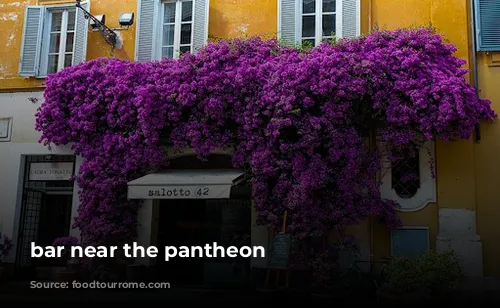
(240, 18)
(11, 27)
(455, 160)
(487, 163)
(227, 19)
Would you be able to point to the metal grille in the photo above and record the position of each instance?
(406, 176)
(31, 204)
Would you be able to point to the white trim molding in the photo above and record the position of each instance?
(426, 193)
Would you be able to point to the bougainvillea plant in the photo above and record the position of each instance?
(297, 121)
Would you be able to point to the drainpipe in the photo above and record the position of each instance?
(474, 69)
(370, 26)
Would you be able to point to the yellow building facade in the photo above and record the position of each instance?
(462, 211)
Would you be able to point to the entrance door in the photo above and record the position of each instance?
(197, 223)
(54, 221)
(181, 224)
(55, 218)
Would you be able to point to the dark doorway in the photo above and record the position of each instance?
(55, 218)
(181, 224)
(192, 222)
(197, 223)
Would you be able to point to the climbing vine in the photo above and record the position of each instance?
(297, 120)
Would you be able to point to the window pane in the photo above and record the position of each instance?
(168, 35)
(55, 39)
(167, 52)
(187, 10)
(308, 26)
(308, 43)
(328, 25)
(308, 6)
(71, 21)
(52, 65)
(69, 41)
(68, 60)
(185, 49)
(405, 174)
(186, 34)
(329, 6)
(169, 13)
(56, 21)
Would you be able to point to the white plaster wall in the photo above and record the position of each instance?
(457, 232)
(24, 141)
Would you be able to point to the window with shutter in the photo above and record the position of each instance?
(54, 37)
(312, 21)
(487, 23)
(167, 29)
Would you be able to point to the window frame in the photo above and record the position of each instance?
(318, 35)
(47, 24)
(177, 29)
(426, 194)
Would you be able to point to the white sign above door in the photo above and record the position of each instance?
(56, 171)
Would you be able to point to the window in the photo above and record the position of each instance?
(61, 37)
(177, 36)
(312, 21)
(54, 37)
(487, 15)
(409, 242)
(169, 28)
(410, 181)
(405, 175)
(318, 20)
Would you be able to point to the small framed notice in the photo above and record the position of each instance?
(56, 171)
(280, 251)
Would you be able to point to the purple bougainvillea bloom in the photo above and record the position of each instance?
(298, 121)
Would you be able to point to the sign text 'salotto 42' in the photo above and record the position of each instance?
(181, 192)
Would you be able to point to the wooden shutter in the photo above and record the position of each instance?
(81, 34)
(32, 41)
(147, 22)
(287, 21)
(200, 23)
(351, 19)
(487, 22)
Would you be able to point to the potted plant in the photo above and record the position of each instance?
(432, 275)
(5, 248)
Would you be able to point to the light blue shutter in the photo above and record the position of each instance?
(287, 22)
(32, 41)
(81, 34)
(145, 42)
(487, 15)
(409, 243)
(351, 19)
(200, 23)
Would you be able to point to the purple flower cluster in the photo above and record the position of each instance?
(297, 121)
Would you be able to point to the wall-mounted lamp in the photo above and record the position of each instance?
(126, 19)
